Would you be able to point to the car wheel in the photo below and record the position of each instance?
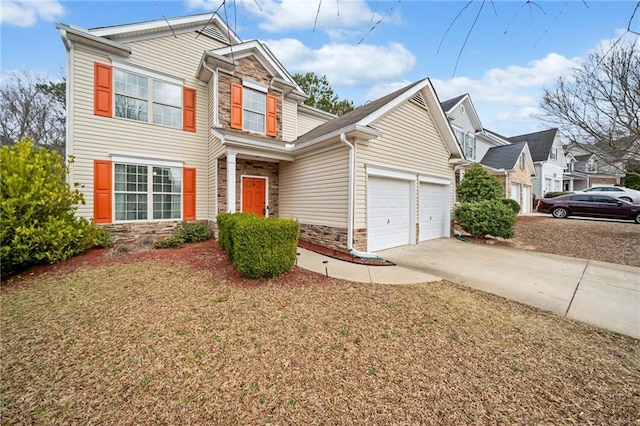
(636, 218)
(560, 213)
(626, 199)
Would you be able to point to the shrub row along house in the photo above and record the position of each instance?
(179, 119)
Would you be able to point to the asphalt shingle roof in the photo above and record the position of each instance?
(540, 143)
(450, 103)
(503, 157)
(354, 116)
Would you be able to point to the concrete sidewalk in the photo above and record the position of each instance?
(603, 294)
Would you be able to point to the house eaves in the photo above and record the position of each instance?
(353, 130)
(81, 35)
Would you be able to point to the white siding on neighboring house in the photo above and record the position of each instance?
(96, 137)
(308, 122)
(289, 120)
(314, 188)
(461, 119)
(409, 142)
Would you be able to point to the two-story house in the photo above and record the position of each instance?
(548, 158)
(510, 163)
(583, 171)
(180, 119)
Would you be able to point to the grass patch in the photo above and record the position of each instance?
(105, 344)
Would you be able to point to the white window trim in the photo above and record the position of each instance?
(131, 161)
(126, 66)
(434, 179)
(373, 170)
(145, 161)
(251, 84)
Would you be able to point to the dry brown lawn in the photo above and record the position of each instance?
(614, 242)
(147, 341)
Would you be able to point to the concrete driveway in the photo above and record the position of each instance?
(603, 294)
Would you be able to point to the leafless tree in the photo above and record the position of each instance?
(597, 107)
(32, 107)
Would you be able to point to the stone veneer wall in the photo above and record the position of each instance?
(131, 232)
(326, 236)
(252, 168)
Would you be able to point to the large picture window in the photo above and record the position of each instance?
(143, 192)
(254, 110)
(147, 99)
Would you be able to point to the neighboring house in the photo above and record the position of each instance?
(586, 170)
(510, 163)
(548, 158)
(179, 119)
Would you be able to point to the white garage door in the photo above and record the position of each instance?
(388, 213)
(515, 192)
(434, 206)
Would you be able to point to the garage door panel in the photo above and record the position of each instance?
(388, 213)
(434, 206)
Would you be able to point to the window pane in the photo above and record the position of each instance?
(167, 115)
(134, 109)
(130, 84)
(253, 122)
(166, 93)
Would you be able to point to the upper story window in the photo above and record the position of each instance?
(554, 153)
(467, 142)
(137, 94)
(523, 161)
(591, 166)
(254, 110)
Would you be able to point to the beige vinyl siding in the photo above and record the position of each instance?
(410, 142)
(289, 120)
(308, 122)
(314, 188)
(96, 137)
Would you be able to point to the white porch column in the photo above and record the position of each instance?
(461, 174)
(571, 184)
(231, 182)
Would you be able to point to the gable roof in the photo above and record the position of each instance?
(360, 118)
(450, 103)
(540, 143)
(582, 158)
(503, 157)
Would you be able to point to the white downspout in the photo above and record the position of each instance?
(351, 197)
(506, 184)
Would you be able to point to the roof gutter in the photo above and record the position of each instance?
(352, 181)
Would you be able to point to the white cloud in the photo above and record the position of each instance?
(25, 13)
(345, 64)
(506, 98)
(287, 15)
(380, 90)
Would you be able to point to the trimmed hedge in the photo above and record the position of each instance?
(258, 247)
(513, 204)
(482, 218)
(187, 232)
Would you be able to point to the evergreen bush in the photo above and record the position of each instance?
(482, 218)
(479, 185)
(513, 204)
(194, 232)
(37, 209)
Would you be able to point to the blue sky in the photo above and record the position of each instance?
(515, 49)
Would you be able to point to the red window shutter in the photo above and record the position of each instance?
(272, 103)
(102, 90)
(189, 110)
(189, 194)
(236, 106)
(101, 191)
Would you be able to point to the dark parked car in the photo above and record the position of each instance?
(589, 205)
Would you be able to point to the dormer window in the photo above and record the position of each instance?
(591, 166)
(253, 109)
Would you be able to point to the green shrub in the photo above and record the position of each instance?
(479, 185)
(482, 218)
(513, 204)
(172, 241)
(557, 194)
(103, 237)
(226, 224)
(263, 248)
(37, 213)
(194, 232)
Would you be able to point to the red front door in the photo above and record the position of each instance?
(254, 195)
